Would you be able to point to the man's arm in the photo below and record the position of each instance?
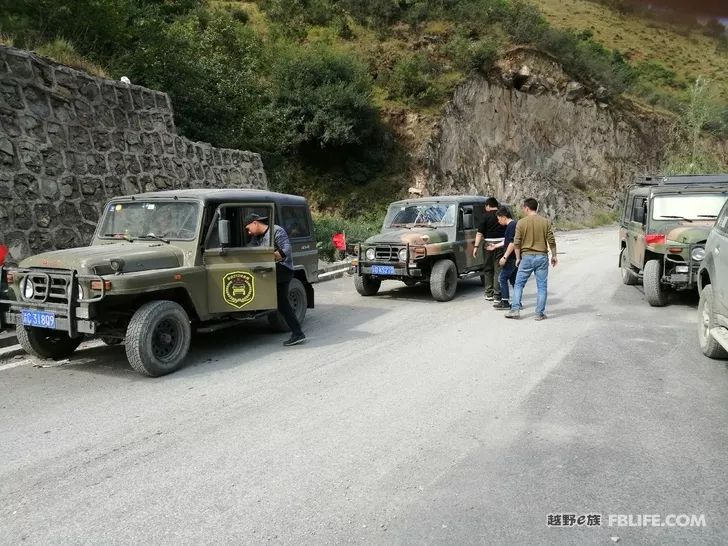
(510, 250)
(551, 240)
(478, 240)
(283, 243)
(517, 241)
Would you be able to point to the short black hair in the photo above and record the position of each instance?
(492, 202)
(504, 211)
(530, 204)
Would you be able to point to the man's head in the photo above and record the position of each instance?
(491, 204)
(530, 205)
(504, 216)
(255, 224)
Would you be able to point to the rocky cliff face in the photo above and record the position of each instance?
(528, 130)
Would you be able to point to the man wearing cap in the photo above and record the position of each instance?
(260, 233)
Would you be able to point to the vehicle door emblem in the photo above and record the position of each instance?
(238, 288)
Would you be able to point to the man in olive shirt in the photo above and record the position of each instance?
(534, 238)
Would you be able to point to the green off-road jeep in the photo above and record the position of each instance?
(429, 240)
(664, 226)
(160, 265)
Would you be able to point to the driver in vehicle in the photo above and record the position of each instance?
(260, 235)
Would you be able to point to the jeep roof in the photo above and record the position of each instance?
(219, 196)
(680, 182)
(441, 199)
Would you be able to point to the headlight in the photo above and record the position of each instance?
(27, 288)
(403, 255)
(81, 294)
(697, 254)
(370, 254)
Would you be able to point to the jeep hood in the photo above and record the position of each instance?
(137, 256)
(414, 236)
(690, 234)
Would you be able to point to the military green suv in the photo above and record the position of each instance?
(160, 266)
(428, 240)
(665, 223)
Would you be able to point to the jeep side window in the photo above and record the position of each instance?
(721, 224)
(465, 220)
(638, 210)
(295, 221)
(235, 215)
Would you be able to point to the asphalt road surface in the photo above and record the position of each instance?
(400, 421)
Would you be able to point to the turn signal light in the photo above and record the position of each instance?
(655, 239)
(96, 285)
(10, 278)
(675, 249)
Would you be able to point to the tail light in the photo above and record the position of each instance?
(655, 239)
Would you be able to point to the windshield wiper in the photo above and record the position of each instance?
(674, 217)
(124, 236)
(707, 216)
(155, 237)
(424, 225)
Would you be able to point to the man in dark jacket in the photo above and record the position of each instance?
(260, 233)
(493, 233)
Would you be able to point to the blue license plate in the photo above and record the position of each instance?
(39, 319)
(382, 270)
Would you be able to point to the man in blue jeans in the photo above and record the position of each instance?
(507, 262)
(532, 243)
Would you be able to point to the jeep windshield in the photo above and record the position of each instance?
(690, 207)
(150, 220)
(421, 214)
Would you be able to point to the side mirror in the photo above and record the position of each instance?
(223, 232)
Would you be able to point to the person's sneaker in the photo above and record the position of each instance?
(514, 314)
(540, 317)
(502, 305)
(489, 298)
(295, 339)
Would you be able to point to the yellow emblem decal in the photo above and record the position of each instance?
(238, 288)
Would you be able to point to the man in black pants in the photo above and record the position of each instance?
(259, 231)
(493, 233)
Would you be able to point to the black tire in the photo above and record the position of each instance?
(482, 280)
(444, 280)
(111, 341)
(366, 286)
(706, 320)
(158, 338)
(655, 292)
(45, 343)
(299, 301)
(629, 277)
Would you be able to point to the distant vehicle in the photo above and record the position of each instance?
(663, 229)
(160, 264)
(424, 240)
(713, 285)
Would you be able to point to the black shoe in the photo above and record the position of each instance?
(295, 339)
(502, 305)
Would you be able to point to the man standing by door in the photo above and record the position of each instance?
(260, 233)
(532, 243)
(493, 233)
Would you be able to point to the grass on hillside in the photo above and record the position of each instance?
(688, 53)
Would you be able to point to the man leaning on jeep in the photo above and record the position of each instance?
(259, 231)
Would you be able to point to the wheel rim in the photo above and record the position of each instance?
(295, 301)
(165, 339)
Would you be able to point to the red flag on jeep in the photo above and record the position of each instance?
(3, 253)
(339, 241)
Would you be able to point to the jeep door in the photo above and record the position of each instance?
(240, 277)
(467, 231)
(718, 247)
(635, 232)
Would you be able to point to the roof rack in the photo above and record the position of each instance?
(682, 180)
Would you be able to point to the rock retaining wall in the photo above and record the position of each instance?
(70, 141)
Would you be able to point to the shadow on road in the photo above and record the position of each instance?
(244, 342)
(396, 290)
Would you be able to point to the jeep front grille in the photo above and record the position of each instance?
(387, 253)
(48, 286)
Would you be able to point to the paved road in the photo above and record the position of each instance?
(402, 420)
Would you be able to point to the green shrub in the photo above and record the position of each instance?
(62, 51)
(412, 79)
(356, 230)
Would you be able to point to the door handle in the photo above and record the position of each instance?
(262, 269)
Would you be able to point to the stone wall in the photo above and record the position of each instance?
(70, 141)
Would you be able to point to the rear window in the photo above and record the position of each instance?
(296, 222)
